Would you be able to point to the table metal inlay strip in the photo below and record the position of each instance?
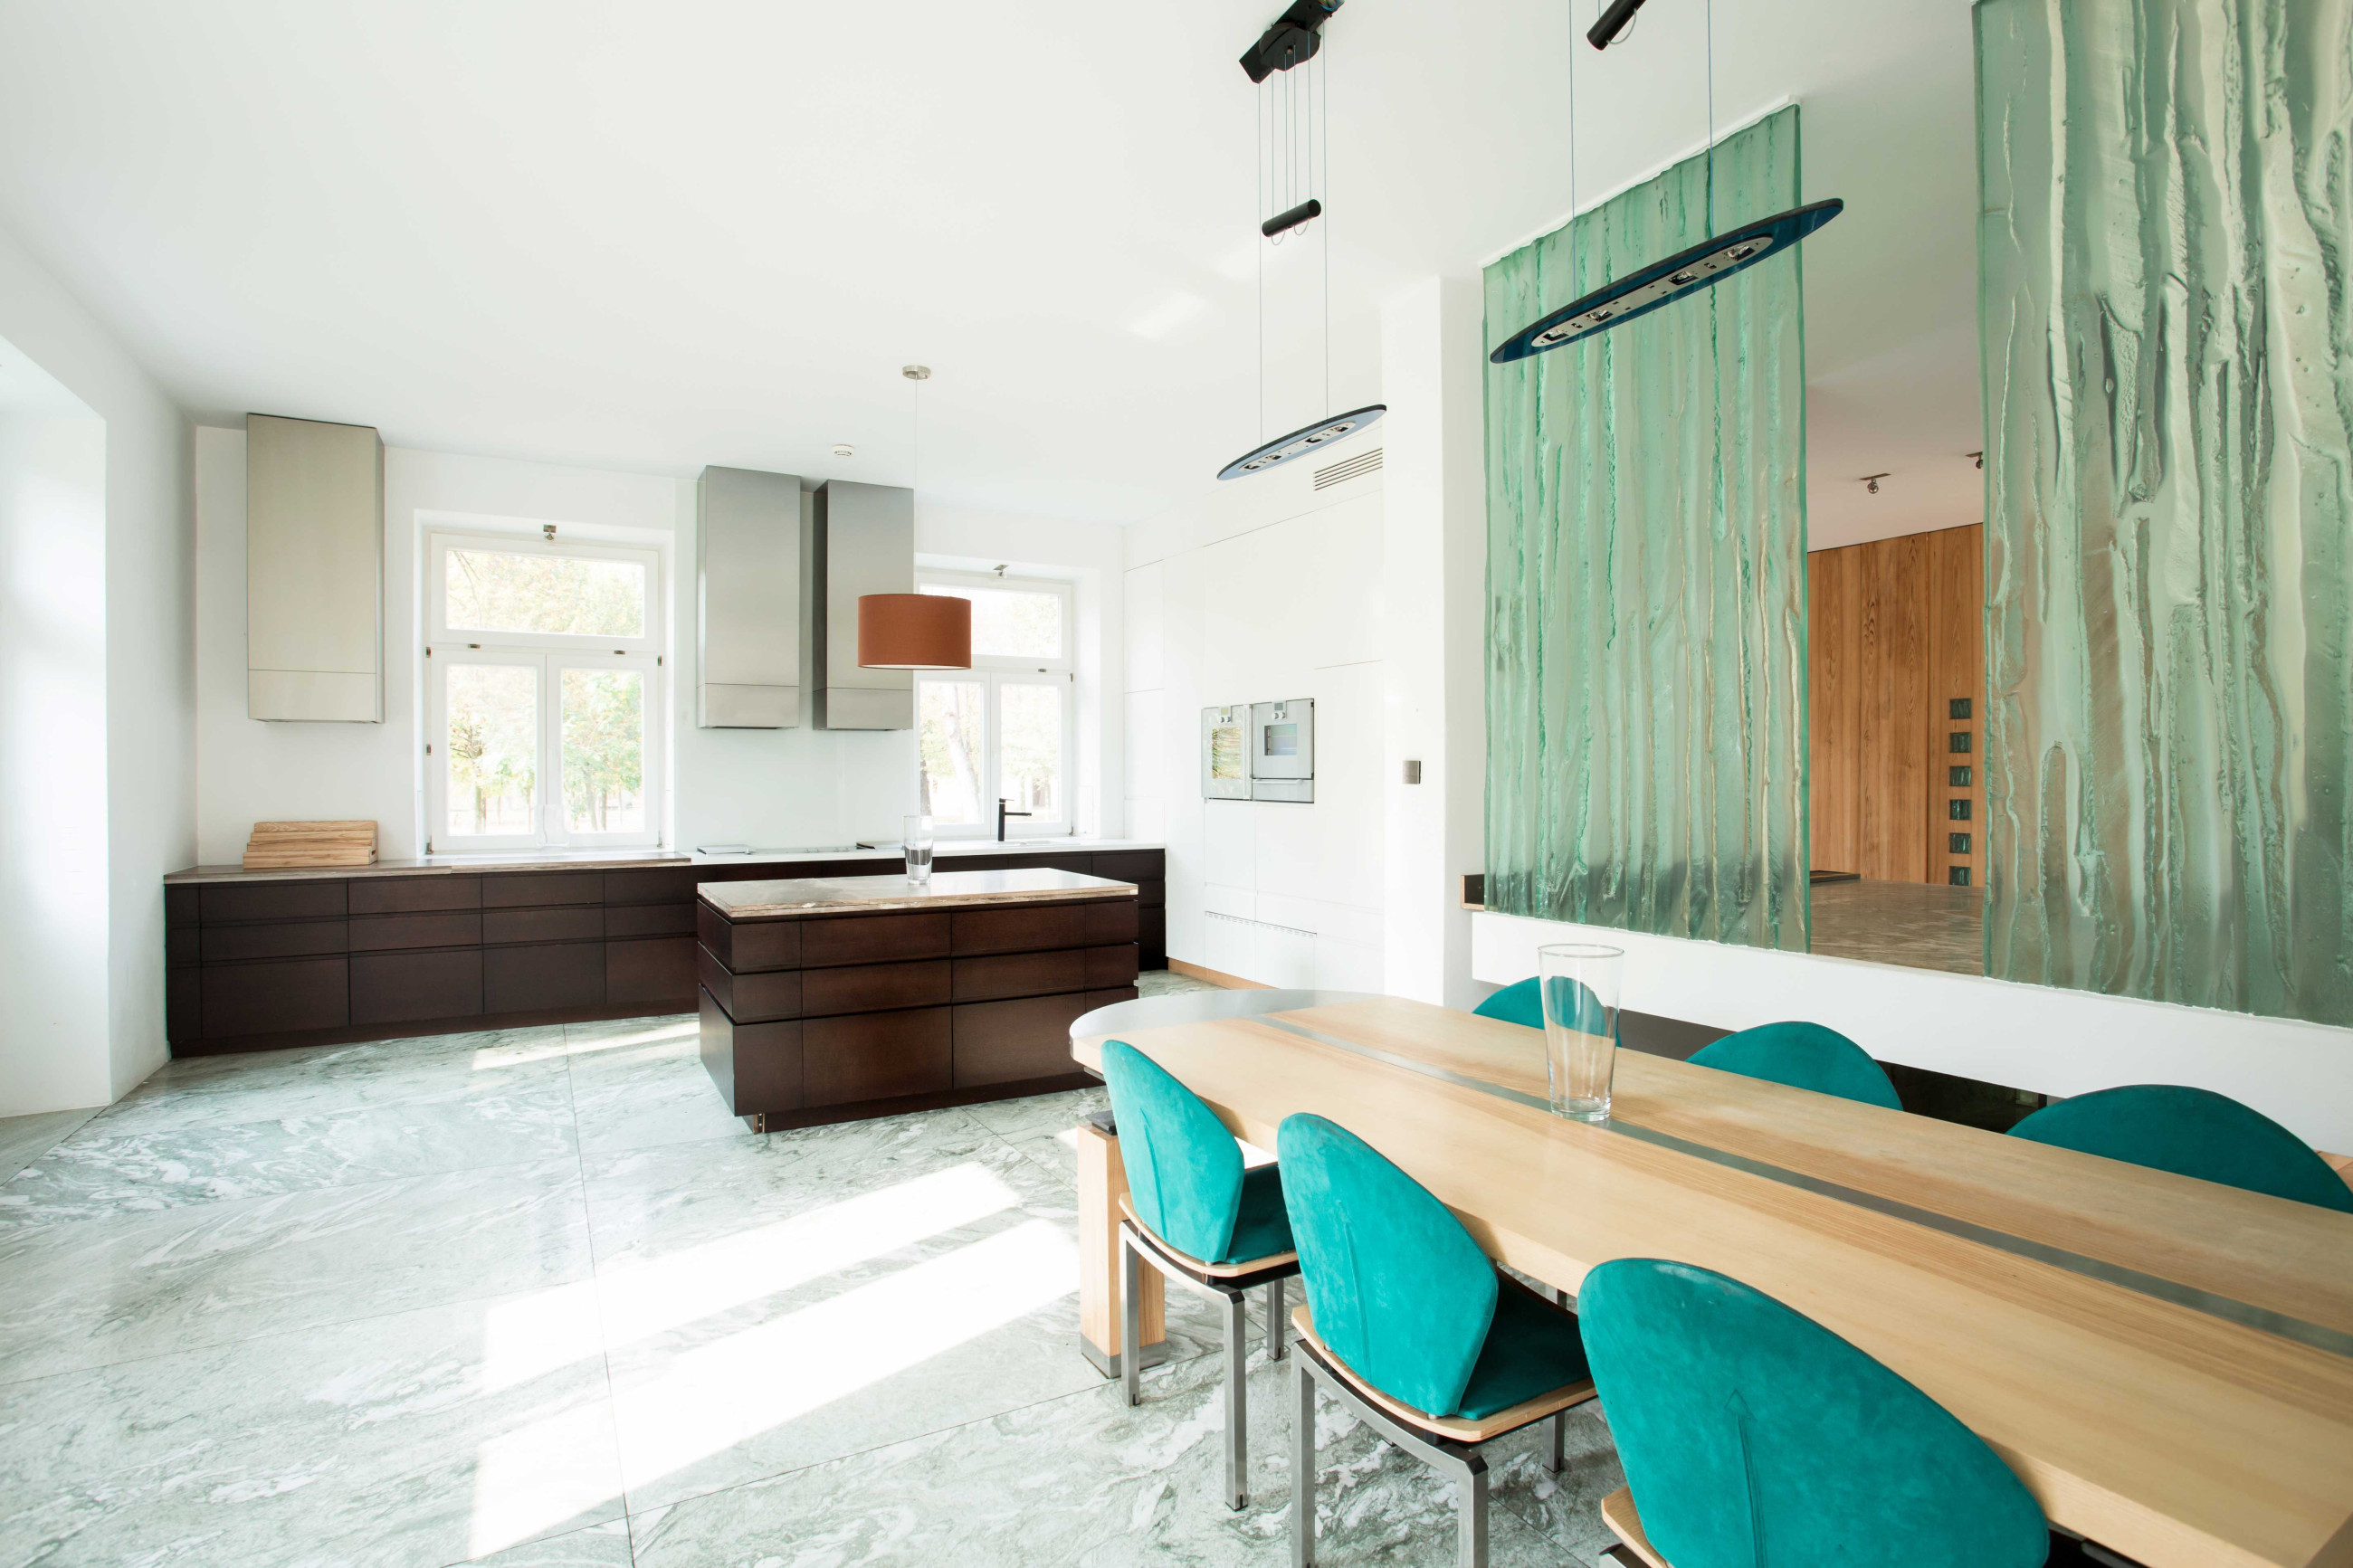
(2320, 1336)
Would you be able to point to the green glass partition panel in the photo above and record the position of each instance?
(1646, 550)
(2166, 316)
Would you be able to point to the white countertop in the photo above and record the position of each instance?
(869, 895)
(630, 859)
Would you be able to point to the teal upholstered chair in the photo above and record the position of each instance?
(1195, 1214)
(1751, 1435)
(1411, 1327)
(2191, 1132)
(1522, 1002)
(1803, 1056)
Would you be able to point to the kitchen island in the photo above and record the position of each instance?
(832, 999)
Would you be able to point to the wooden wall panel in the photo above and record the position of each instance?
(1895, 635)
(1834, 589)
(1956, 673)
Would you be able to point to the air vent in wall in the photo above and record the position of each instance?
(1347, 469)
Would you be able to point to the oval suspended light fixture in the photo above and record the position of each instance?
(1302, 441)
(914, 631)
(1687, 271)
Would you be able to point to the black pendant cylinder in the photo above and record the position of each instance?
(1310, 208)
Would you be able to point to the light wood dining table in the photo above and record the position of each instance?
(2166, 1362)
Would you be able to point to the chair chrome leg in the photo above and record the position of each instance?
(1237, 1399)
(1303, 1466)
(1472, 1491)
(1131, 1315)
(1276, 1342)
(1556, 1445)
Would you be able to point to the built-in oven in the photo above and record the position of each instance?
(1225, 752)
(1282, 751)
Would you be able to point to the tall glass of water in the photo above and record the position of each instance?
(1580, 984)
(917, 837)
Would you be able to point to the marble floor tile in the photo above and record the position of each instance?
(107, 1170)
(610, 1034)
(268, 1086)
(643, 1085)
(1083, 1479)
(598, 1546)
(25, 1139)
(1168, 983)
(1016, 1119)
(419, 1439)
(99, 1291)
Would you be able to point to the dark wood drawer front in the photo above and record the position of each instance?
(308, 900)
(402, 987)
(870, 939)
(874, 987)
(1109, 966)
(748, 998)
(542, 925)
(1152, 934)
(1113, 920)
(1105, 998)
(180, 906)
(272, 998)
(180, 945)
(750, 947)
(524, 889)
(1019, 974)
(1152, 895)
(1024, 930)
(650, 919)
(454, 928)
(655, 973)
(757, 1067)
(535, 979)
(666, 886)
(875, 1056)
(225, 945)
(1004, 1042)
(1137, 866)
(414, 895)
(184, 1018)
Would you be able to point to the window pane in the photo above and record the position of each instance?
(949, 712)
(603, 751)
(1030, 748)
(492, 749)
(494, 591)
(1010, 621)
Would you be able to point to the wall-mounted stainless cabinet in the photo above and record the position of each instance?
(865, 544)
(750, 530)
(314, 572)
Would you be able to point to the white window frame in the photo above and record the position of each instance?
(550, 654)
(992, 673)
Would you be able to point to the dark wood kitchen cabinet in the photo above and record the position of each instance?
(257, 961)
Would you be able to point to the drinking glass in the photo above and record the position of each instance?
(917, 837)
(1581, 986)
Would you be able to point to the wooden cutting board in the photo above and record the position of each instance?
(277, 845)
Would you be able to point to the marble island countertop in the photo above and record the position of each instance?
(630, 859)
(868, 895)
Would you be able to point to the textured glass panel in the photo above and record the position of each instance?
(1009, 622)
(1646, 633)
(584, 596)
(2167, 201)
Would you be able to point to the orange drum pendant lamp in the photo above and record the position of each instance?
(914, 631)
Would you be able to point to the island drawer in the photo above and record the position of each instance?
(1020, 974)
(1023, 928)
(871, 939)
(1007, 1042)
(754, 945)
(876, 1056)
(757, 997)
(874, 987)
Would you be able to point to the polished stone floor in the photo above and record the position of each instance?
(1918, 925)
(532, 1297)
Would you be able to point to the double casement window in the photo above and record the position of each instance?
(542, 665)
(1002, 730)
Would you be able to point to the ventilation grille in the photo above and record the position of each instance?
(1347, 469)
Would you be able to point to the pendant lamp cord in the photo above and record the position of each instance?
(1258, 250)
(1323, 191)
(1711, 119)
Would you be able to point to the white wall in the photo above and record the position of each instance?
(134, 680)
(769, 788)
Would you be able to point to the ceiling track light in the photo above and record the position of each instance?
(1661, 283)
(1871, 482)
(1302, 441)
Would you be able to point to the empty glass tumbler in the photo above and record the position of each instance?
(1580, 985)
(917, 837)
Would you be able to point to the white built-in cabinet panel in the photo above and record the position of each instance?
(1143, 610)
(865, 542)
(313, 570)
(749, 545)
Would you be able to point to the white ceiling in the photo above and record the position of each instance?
(654, 237)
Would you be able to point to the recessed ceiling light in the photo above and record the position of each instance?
(843, 450)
